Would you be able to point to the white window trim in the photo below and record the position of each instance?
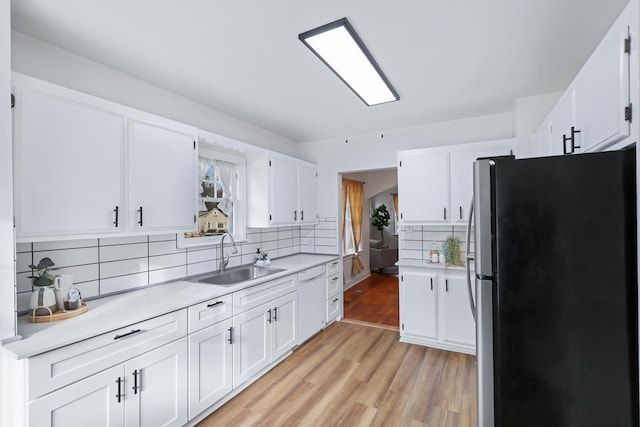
(211, 151)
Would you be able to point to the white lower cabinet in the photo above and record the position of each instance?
(435, 310)
(210, 366)
(263, 334)
(148, 390)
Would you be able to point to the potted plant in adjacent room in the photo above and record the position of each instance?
(43, 299)
(380, 219)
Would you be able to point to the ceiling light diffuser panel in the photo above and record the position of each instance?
(340, 48)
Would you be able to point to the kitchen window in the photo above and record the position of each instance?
(221, 198)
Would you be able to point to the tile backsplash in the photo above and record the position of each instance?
(105, 266)
(416, 241)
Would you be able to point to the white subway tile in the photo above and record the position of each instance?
(23, 282)
(64, 244)
(123, 283)
(69, 257)
(167, 261)
(323, 241)
(269, 236)
(164, 248)
(412, 244)
(23, 260)
(411, 254)
(167, 274)
(88, 289)
(122, 252)
(269, 246)
(121, 268)
(285, 234)
(23, 299)
(81, 273)
(162, 237)
(285, 251)
(307, 249)
(249, 248)
(326, 250)
(285, 243)
(202, 256)
(326, 225)
(201, 268)
(123, 240)
(23, 247)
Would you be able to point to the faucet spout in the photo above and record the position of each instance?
(224, 258)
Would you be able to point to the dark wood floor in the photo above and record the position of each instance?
(375, 299)
(354, 375)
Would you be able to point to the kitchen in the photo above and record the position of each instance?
(359, 148)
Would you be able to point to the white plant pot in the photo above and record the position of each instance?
(42, 298)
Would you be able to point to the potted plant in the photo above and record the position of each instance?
(451, 249)
(380, 218)
(43, 299)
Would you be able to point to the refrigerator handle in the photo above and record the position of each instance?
(470, 257)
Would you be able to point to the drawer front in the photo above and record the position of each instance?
(333, 285)
(333, 267)
(254, 296)
(210, 312)
(333, 308)
(311, 273)
(57, 368)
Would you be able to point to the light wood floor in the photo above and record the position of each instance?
(353, 375)
(378, 302)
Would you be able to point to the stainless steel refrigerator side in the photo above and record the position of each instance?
(484, 352)
(484, 301)
(482, 212)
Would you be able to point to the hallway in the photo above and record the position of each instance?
(374, 300)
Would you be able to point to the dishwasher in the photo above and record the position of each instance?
(311, 302)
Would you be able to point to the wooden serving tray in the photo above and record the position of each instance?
(57, 315)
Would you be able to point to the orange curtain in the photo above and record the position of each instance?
(395, 203)
(355, 191)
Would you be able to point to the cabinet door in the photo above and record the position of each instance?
(602, 91)
(89, 402)
(561, 120)
(284, 329)
(251, 343)
(307, 195)
(283, 208)
(162, 169)
(418, 302)
(462, 179)
(424, 180)
(210, 366)
(68, 166)
(457, 320)
(156, 387)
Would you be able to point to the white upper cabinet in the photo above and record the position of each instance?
(85, 166)
(462, 175)
(162, 170)
(68, 161)
(596, 111)
(282, 190)
(435, 185)
(423, 186)
(307, 194)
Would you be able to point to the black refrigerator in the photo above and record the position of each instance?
(556, 290)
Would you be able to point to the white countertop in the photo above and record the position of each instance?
(427, 264)
(118, 311)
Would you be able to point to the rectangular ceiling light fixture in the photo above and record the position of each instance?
(340, 48)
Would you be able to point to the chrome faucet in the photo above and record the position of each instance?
(224, 260)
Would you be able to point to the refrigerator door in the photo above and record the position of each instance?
(483, 217)
(565, 295)
(484, 351)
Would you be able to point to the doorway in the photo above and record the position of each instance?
(372, 296)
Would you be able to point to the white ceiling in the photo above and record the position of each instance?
(447, 59)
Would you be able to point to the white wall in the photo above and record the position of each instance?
(528, 114)
(47, 62)
(7, 276)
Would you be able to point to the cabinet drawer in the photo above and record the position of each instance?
(333, 285)
(333, 267)
(54, 369)
(257, 295)
(333, 308)
(311, 273)
(210, 312)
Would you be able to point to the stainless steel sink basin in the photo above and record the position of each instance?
(236, 275)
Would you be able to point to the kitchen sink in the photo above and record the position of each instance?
(236, 275)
